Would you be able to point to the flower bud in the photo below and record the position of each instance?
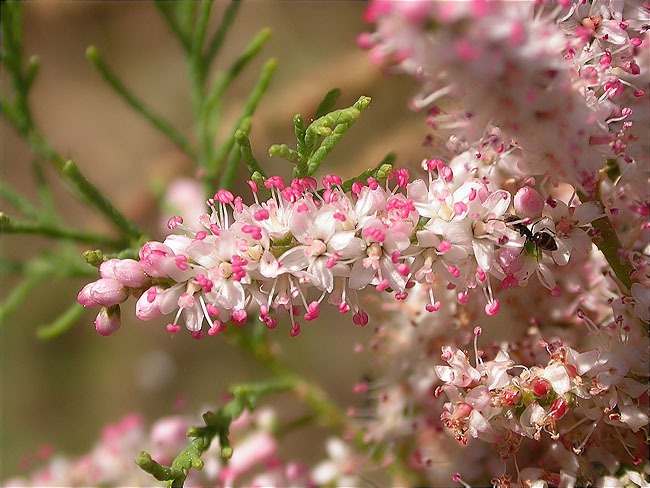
(107, 292)
(107, 269)
(558, 408)
(108, 320)
(130, 273)
(84, 297)
(540, 387)
(528, 203)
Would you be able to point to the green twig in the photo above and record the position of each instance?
(156, 120)
(241, 137)
(328, 102)
(609, 244)
(217, 424)
(19, 293)
(285, 152)
(100, 202)
(216, 42)
(249, 108)
(165, 9)
(15, 226)
(379, 173)
(299, 130)
(185, 15)
(209, 110)
(62, 324)
(18, 201)
(48, 211)
(229, 174)
(198, 36)
(329, 143)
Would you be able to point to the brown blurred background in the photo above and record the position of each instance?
(64, 390)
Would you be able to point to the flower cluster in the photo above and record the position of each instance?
(520, 75)
(301, 245)
(538, 112)
(535, 398)
(255, 461)
(550, 95)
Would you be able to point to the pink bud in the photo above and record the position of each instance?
(540, 387)
(130, 273)
(84, 297)
(107, 269)
(108, 320)
(528, 203)
(107, 292)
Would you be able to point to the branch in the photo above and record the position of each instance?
(156, 120)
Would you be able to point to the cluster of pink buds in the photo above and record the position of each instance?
(301, 246)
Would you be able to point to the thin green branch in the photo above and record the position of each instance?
(126, 227)
(249, 108)
(379, 173)
(229, 173)
(217, 424)
(48, 212)
(165, 9)
(61, 324)
(216, 42)
(254, 47)
(285, 152)
(18, 201)
(209, 110)
(241, 137)
(15, 226)
(198, 37)
(300, 130)
(185, 15)
(20, 293)
(328, 102)
(610, 245)
(156, 120)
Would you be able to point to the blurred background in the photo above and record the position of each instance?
(64, 390)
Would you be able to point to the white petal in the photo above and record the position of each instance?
(557, 375)
(360, 276)
(294, 259)
(321, 276)
(633, 416)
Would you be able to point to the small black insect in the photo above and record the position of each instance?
(535, 241)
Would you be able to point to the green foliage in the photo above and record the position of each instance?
(316, 141)
(217, 424)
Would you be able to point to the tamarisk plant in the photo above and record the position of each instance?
(526, 226)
